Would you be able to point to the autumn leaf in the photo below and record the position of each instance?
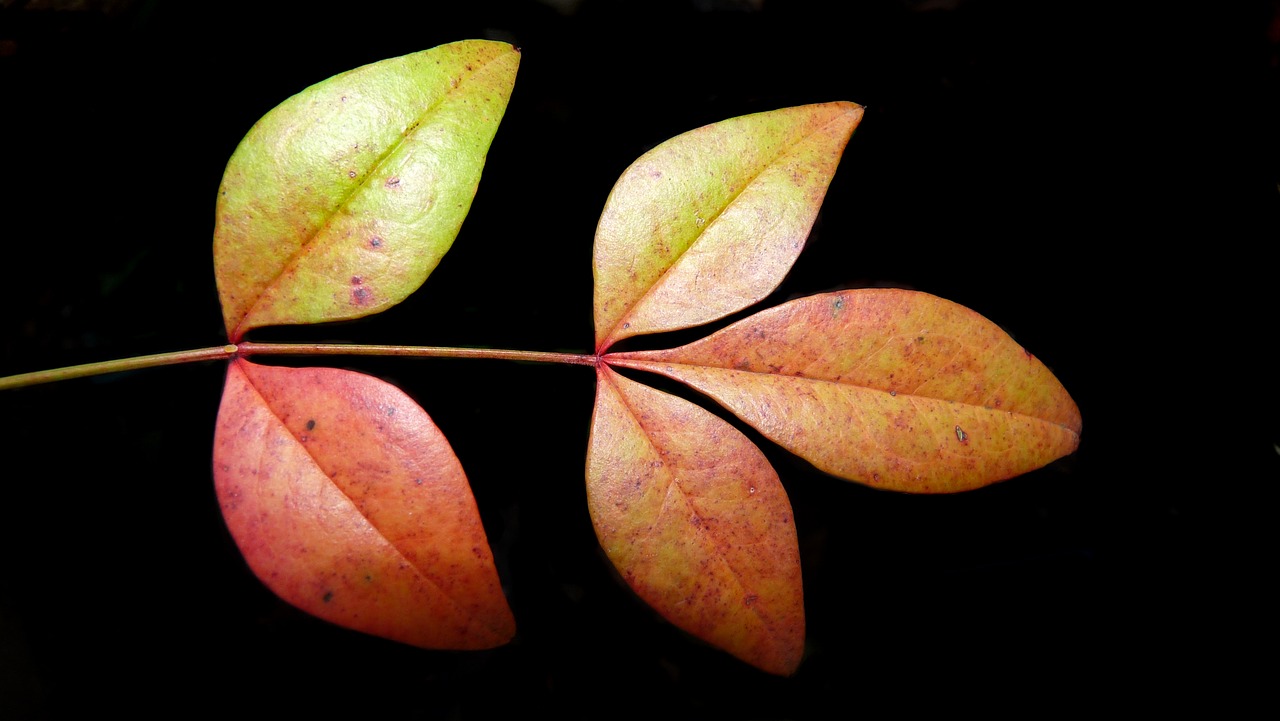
(348, 502)
(696, 521)
(342, 200)
(893, 388)
(710, 221)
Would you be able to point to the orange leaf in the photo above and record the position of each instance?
(710, 221)
(348, 502)
(695, 519)
(893, 388)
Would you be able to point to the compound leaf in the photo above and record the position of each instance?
(710, 221)
(893, 388)
(342, 200)
(348, 502)
(696, 521)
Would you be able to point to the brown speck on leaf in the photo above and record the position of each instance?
(356, 280)
(351, 173)
(375, 242)
(328, 596)
(393, 182)
(311, 425)
(360, 295)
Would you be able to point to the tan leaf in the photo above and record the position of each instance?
(710, 221)
(893, 388)
(696, 521)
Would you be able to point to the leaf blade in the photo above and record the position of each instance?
(340, 201)
(696, 521)
(348, 503)
(892, 388)
(710, 221)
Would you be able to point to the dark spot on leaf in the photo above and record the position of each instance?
(356, 280)
(418, 481)
(893, 393)
(360, 296)
(375, 242)
(351, 173)
(393, 181)
(328, 596)
(961, 434)
(368, 578)
(750, 599)
(311, 424)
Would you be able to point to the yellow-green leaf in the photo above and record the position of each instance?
(347, 501)
(696, 521)
(710, 221)
(342, 200)
(893, 388)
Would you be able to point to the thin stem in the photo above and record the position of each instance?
(249, 348)
(115, 366)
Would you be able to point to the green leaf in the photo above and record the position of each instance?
(893, 388)
(696, 521)
(348, 502)
(342, 200)
(710, 221)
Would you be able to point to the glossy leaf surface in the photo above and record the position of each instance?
(342, 200)
(893, 388)
(696, 521)
(348, 502)
(710, 221)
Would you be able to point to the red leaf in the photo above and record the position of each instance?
(696, 521)
(893, 388)
(348, 502)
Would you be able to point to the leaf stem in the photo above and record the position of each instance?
(249, 348)
(115, 366)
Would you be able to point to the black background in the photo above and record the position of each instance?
(1098, 178)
